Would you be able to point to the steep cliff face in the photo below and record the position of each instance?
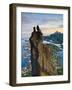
(41, 56)
(44, 60)
(41, 60)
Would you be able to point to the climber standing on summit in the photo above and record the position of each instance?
(39, 34)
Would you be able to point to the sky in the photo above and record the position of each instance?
(49, 23)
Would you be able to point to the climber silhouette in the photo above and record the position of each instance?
(32, 35)
(39, 33)
(34, 32)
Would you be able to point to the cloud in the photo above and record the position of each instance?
(29, 20)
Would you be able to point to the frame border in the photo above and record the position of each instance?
(12, 43)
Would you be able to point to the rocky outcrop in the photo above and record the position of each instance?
(44, 60)
(41, 56)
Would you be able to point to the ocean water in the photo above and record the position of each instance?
(26, 54)
(60, 56)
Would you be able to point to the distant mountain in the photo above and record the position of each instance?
(56, 37)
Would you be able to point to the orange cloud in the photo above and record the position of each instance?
(48, 31)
